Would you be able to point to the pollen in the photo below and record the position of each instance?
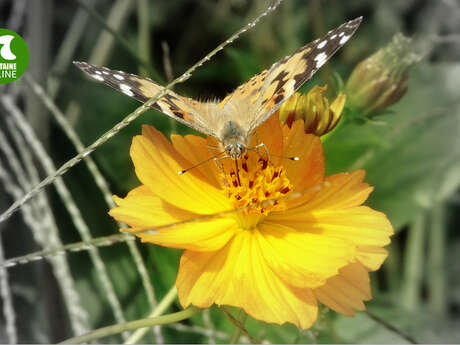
(256, 187)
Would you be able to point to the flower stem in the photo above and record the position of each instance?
(167, 300)
(414, 263)
(132, 325)
(237, 331)
(239, 324)
(391, 327)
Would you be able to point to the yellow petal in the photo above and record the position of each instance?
(157, 164)
(333, 212)
(340, 191)
(346, 292)
(308, 171)
(195, 150)
(361, 225)
(338, 105)
(238, 275)
(270, 134)
(143, 211)
(301, 258)
(372, 257)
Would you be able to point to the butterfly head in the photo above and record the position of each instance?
(233, 140)
(235, 150)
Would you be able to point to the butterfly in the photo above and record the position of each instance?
(234, 119)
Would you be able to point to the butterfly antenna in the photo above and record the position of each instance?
(181, 172)
(293, 158)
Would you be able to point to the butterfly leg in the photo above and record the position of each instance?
(258, 145)
(219, 165)
(255, 148)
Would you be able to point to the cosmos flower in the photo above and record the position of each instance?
(298, 238)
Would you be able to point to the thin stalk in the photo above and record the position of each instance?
(239, 325)
(9, 314)
(109, 240)
(392, 266)
(205, 332)
(133, 325)
(391, 327)
(167, 66)
(211, 331)
(318, 30)
(437, 280)
(66, 50)
(39, 218)
(120, 39)
(70, 205)
(164, 304)
(98, 179)
(413, 264)
(103, 45)
(235, 339)
(143, 15)
(131, 117)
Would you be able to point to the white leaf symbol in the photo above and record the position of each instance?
(5, 51)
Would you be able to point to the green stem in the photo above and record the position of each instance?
(413, 264)
(122, 41)
(239, 324)
(391, 327)
(132, 325)
(237, 331)
(160, 309)
(436, 261)
(143, 11)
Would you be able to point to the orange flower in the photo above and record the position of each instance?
(273, 259)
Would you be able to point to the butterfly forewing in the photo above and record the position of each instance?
(183, 109)
(268, 90)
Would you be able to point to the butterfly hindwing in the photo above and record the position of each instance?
(183, 109)
(269, 89)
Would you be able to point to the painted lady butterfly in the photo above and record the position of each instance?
(234, 119)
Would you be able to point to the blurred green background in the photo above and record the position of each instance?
(411, 153)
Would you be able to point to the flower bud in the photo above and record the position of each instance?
(313, 107)
(381, 80)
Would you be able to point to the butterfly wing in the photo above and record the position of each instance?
(186, 110)
(266, 91)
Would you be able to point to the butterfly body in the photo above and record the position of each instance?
(234, 119)
(233, 140)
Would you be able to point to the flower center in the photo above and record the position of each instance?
(252, 181)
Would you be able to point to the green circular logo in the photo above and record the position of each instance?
(14, 56)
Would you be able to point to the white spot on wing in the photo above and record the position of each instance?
(341, 34)
(320, 59)
(344, 39)
(333, 36)
(118, 76)
(97, 77)
(126, 89)
(322, 44)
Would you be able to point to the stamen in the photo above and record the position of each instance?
(254, 186)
